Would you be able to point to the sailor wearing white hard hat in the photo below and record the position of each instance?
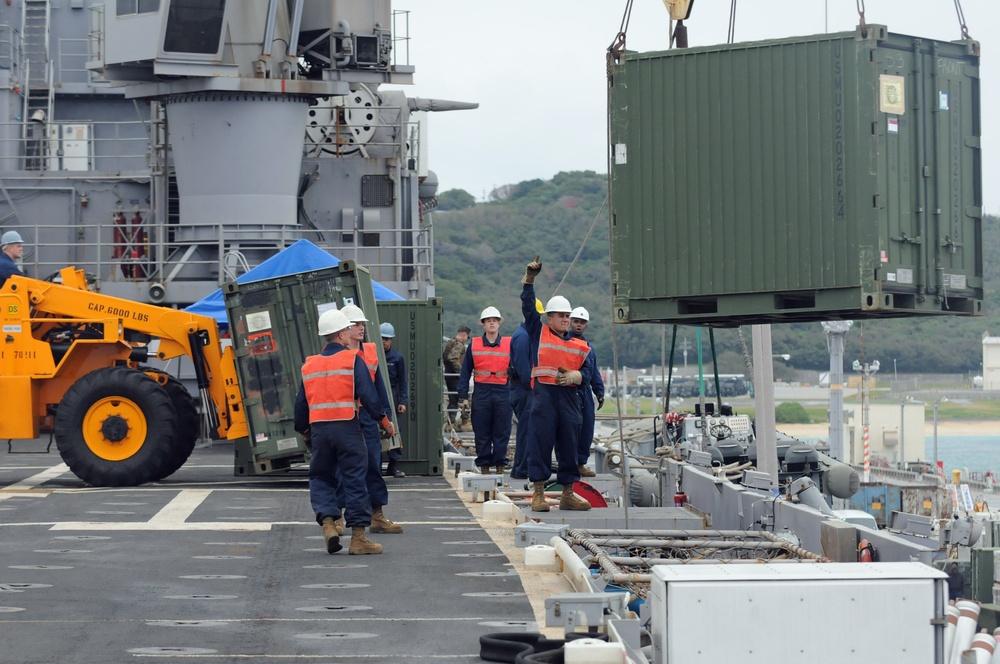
(378, 492)
(579, 318)
(335, 384)
(398, 385)
(559, 363)
(487, 363)
(11, 250)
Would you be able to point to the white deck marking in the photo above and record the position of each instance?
(173, 516)
(181, 507)
(28, 486)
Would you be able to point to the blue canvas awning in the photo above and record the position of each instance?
(303, 256)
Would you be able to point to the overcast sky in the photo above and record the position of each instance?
(537, 69)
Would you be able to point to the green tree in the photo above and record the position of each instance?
(791, 413)
(480, 252)
(455, 199)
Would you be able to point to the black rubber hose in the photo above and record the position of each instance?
(508, 646)
(526, 647)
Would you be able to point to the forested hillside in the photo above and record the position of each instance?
(481, 250)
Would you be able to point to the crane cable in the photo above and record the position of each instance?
(582, 245)
(613, 57)
(732, 22)
(618, 45)
(961, 19)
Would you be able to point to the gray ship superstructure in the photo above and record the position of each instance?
(166, 147)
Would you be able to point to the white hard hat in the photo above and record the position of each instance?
(11, 237)
(557, 304)
(580, 313)
(332, 321)
(354, 313)
(490, 312)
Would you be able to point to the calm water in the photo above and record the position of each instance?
(976, 453)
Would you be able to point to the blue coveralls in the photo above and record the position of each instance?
(556, 414)
(378, 492)
(595, 387)
(339, 454)
(396, 364)
(491, 412)
(520, 397)
(8, 268)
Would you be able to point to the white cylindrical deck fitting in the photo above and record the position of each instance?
(593, 651)
(965, 629)
(983, 646)
(541, 558)
(497, 510)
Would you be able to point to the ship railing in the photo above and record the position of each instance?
(72, 146)
(132, 248)
(72, 56)
(10, 51)
(879, 473)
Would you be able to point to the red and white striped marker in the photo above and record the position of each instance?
(868, 458)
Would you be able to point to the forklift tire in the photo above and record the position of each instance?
(188, 420)
(116, 427)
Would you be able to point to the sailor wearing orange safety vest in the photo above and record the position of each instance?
(378, 492)
(487, 362)
(556, 417)
(335, 384)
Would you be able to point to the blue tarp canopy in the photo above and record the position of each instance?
(303, 256)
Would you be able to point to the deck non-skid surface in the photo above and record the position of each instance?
(207, 567)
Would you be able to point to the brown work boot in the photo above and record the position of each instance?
(538, 503)
(380, 524)
(361, 545)
(586, 472)
(331, 535)
(569, 500)
(500, 470)
(340, 524)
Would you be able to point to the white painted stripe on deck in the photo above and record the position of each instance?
(150, 526)
(172, 517)
(28, 486)
(181, 507)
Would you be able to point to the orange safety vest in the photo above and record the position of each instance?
(369, 354)
(555, 352)
(329, 384)
(490, 363)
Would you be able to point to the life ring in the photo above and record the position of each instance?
(867, 553)
(582, 490)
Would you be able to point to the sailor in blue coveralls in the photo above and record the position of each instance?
(556, 416)
(326, 413)
(11, 247)
(378, 492)
(578, 320)
(487, 362)
(395, 363)
(520, 398)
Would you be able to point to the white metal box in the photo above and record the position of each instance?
(822, 613)
(70, 147)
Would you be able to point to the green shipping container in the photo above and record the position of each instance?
(419, 329)
(273, 325)
(804, 179)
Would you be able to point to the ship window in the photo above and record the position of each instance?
(127, 7)
(194, 26)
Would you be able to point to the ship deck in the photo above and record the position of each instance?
(204, 566)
